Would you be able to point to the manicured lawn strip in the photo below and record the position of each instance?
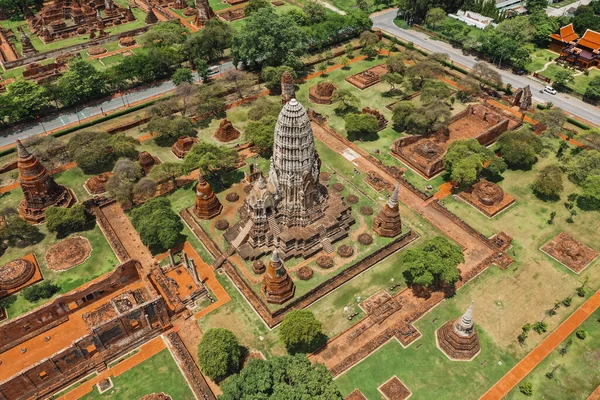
(155, 375)
(576, 374)
(539, 57)
(581, 82)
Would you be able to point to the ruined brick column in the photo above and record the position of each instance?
(388, 223)
(277, 285)
(207, 205)
(288, 90)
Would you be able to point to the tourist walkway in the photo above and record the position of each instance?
(526, 365)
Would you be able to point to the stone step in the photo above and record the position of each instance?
(327, 246)
(273, 225)
(321, 230)
(242, 235)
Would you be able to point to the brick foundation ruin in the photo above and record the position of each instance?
(321, 93)
(368, 78)
(425, 154)
(18, 274)
(226, 132)
(569, 252)
(394, 389)
(381, 121)
(487, 197)
(183, 146)
(97, 185)
(147, 161)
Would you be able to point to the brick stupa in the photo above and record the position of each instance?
(27, 48)
(203, 12)
(207, 205)
(39, 188)
(458, 339)
(277, 285)
(226, 132)
(288, 90)
(151, 17)
(388, 223)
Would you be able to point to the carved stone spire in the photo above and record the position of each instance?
(388, 222)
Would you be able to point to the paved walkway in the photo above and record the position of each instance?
(526, 365)
(146, 351)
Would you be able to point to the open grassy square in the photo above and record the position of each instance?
(158, 374)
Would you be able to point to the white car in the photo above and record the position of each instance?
(550, 89)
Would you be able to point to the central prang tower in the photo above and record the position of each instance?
(295, 167)
(290, 210)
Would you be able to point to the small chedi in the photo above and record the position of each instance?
(277, 285)
(15, 274)
(288, 88)
(183, 146)
(39, 188)
(27, 48)
(458, 339)
(381, 121)
(321, 93)
(226, 132)
(207, 204)
(151, 17)
(291, 210)
(147, 161)
(487, 197)
(388, 223)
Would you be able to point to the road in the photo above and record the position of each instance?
(57, 122)
(572, 105)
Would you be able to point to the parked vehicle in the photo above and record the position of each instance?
(550, 89)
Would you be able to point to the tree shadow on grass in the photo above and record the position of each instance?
(547, 198)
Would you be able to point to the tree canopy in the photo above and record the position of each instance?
(219, 354)
(301, 332)
(361, 126)
(467, 159)
(171, 129)
(434, 263)
(66, 220)
(520, 148)
(281, 378)
(96, 152)
(262, 133)
(158, 225)
(210, 158)
(549, 182)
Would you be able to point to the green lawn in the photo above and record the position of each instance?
(425, 370)
(157, 374)
(539, 57)
(576, 374)
(581, 82)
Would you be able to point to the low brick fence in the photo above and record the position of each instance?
(109, 233)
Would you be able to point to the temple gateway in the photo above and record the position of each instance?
(290, 210)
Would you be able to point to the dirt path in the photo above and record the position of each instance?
(526, 365)
(128, 235)
(146, 351)
(475, 250)
(595, 394)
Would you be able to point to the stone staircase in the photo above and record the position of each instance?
(273, 225)
(242, 235)
(327, 246)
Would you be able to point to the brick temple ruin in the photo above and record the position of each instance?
(458, 339)
(207, 205)
(18, 274)
(321, 93)
(368, 78)
(183, 146)
(277, 286)
(381, 121)
(487, 197)
(388, 223)
(61, 19)
(39, 188)
(290, 210)
(288, 87)
(226, 132)
(570, 252)
(425, 153)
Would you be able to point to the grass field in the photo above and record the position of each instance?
(425, 370)
(576, 373)
(155, 375)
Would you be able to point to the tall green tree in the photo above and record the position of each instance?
(167, 34)
(158, 225)
(549, 182)
(345, 101)
(435, 16)
(361, 126)
(467, 159)
(301, 332)
(269, 39)
(520, 148)
(219, 354)
(81, 83)
(171, 129)
(281, 378)
(25, 99)
(66, 220)
(434, 263)
(210, 43)
(210, 158)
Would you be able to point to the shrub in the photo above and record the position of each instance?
(540, 327)
(219, 354)
(567, 301)
(43, 290)
(580, 291)
(526, 388)
(581, 334)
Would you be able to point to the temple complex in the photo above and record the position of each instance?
(277, 285)
(39, 188)
(388, 223)
(288, 88)
(458, 339)
(226, 132)
(61, 19)
(583, 52)
(291, 210)
(207, 204)
(203, 12)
